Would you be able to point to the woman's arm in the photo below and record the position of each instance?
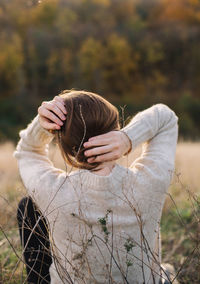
(38, 174)
(156, 125)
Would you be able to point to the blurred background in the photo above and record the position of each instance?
(132, 52)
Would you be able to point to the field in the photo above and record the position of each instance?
(180, 225)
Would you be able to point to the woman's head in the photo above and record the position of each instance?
(88, 115)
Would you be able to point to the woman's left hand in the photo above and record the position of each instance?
(52, 113)
(107, 147)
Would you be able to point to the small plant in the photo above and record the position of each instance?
(129, 263)
(103, 222)
(129, 245)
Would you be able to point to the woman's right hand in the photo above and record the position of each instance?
(52, 114)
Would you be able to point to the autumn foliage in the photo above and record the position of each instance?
(134, 53)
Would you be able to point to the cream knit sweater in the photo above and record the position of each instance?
(104, 229)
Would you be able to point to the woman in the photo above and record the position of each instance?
(103, 220)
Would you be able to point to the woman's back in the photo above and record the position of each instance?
(95, 223)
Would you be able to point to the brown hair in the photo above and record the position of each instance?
(88, 115)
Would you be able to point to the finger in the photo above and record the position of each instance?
(50, 115)
(59, 99)
(61, 106)
(103, 158)
(98, 151)
(56, 110)
(102, 136)
(49, 125)
(98, 142)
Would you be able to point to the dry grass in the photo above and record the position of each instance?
(187, 163)
(180, 225)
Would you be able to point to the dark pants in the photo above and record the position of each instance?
(34, 237)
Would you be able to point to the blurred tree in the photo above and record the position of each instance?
(119, 62)
(11, 60)
(91, 56)
(179, 11)
(59, 68)
(45, 14)
(132, 52)
(189, 109)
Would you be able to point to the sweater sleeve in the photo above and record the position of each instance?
(41, 179)
(157, 128)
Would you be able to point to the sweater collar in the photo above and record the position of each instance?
(97, 182)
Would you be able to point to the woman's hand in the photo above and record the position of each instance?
(108, 147)
(52, 114)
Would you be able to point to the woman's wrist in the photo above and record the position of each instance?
(127, 143)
